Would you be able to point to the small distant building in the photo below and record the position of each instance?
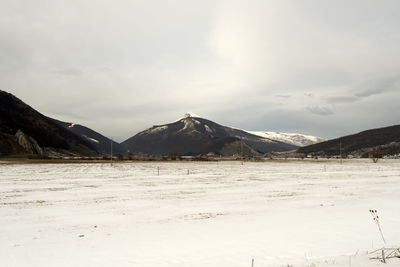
(210, 154)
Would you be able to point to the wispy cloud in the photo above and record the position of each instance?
(68, 72)
(379, 86)
(309, 95)
(340, 99)
(323, 111)
(283, 96)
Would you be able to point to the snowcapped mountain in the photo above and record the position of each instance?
(193, 135)
(290, 138)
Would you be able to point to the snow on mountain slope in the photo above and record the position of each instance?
(155, 129)
(189, 115)
(97, 140)
(289, 138)
(194, 135)
(90, 139)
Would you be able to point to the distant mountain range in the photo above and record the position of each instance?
(385, 140)
(194, 135)
(295, 139)
(25, 131)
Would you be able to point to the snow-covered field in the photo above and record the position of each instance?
(302, 213)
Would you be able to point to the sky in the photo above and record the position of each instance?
(319, 67)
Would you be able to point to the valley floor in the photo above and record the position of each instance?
(164, 214)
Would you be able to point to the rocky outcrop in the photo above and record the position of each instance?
(28, 143)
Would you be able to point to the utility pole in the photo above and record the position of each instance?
(241, 149)
(111, 156)
(340, 149)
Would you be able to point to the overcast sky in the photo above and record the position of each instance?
(326, 68)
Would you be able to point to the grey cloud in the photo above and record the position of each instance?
(283, 96)
(340, 99)
(68, 72)
(323, 111)
(72, 116)
(370, 92)
(377, 87)
(123, 66)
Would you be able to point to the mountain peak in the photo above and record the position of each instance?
(194, 135)
(190, 115)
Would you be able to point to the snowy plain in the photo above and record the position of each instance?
(164, 214)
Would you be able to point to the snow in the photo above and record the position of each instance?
(208, 129)
(303, 213)
(72, 125)
(159, 129)
(91, 139)
(190, 115)
(156, 129)
(289, 138)
(189, 127)
(188, 124)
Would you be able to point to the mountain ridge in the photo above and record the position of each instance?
(362, 144)
(101, 143)
(296, 139)
(195, 135)
(24, 130)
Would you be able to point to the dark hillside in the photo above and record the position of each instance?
(193, 136)
(101, 143)
(363, 141)
(16, 116)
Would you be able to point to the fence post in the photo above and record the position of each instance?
(383, 256)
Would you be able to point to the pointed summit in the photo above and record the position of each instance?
(190, 115)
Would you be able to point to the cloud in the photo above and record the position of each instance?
(340, 99)
(309, 95)
(323, 111)
(247, 63)
(378, 86)
(283, 96)
(68, 72)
